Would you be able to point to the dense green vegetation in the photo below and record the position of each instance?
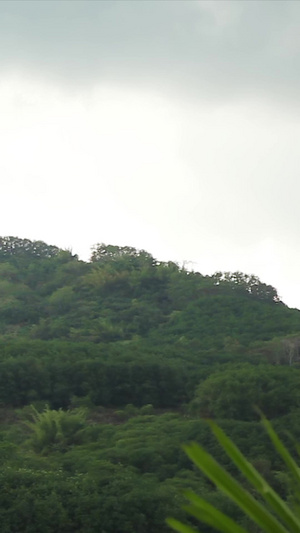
(107, 367)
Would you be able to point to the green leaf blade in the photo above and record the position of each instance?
(257, 481)
(259, 514)
(283, 452)
(207, 513)
(180, 527)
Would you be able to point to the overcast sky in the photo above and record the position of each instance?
(171, 126)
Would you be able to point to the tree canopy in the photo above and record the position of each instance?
(108, 366)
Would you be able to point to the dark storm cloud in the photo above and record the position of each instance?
(213, 49)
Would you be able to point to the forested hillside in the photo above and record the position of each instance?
(107, 367)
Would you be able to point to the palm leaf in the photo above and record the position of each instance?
(234, 490)
(206, 512)
(283, 452)
(256, 480)
(181, 528)
(273, 516)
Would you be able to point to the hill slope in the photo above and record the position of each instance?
(121, 357)
(123, 293)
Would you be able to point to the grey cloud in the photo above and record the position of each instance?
(210, 49)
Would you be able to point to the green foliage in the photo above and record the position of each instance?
(121, 255)
(270, 512)
(146, 348)
(238, 281)
(13, 247)
(123, 293)
(232, 392)
(55, 430)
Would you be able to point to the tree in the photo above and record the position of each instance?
(125, 255)
(248, 283)
(291, 349)
(15, 247)
(233, 393)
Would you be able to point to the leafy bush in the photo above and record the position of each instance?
(55, 429)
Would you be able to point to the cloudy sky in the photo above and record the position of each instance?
(171, 126)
